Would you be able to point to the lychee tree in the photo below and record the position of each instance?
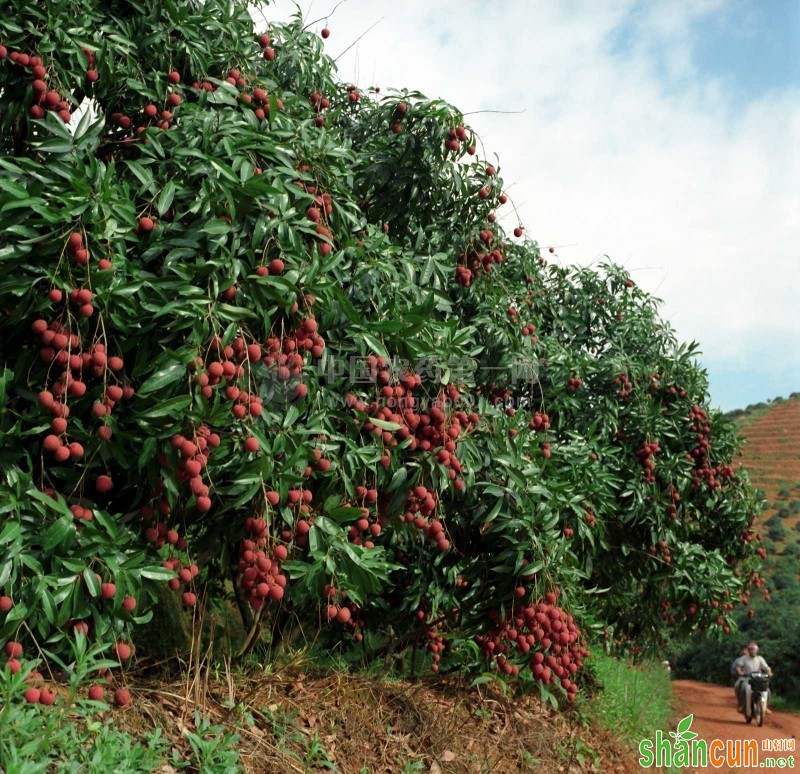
(263, 338)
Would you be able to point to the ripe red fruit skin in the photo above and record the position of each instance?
(32, 695)
(6, 603)
(129, 604)
(251, 445)
(203, 504)
(122, 697)
(96, 692)
(276, 266)
(326, 33)
(104, 484)
(91, 76)
(51, 443)
(189, 599)
(300, 391)
(174, 77)
(108, 590)
(343, 616)
(13, 649)
(47, 697)
(276, 593)
(146, 225)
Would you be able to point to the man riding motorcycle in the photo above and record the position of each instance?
(745, 666)
(735, 671)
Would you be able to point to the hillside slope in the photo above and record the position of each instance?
(772, 457)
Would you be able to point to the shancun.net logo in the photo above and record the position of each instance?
(682, 748)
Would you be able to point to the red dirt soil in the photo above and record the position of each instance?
(715, 717)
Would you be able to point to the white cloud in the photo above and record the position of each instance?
(627, 151)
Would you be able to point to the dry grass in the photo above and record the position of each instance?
(295, 718)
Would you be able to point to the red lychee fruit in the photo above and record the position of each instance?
(96, 692)
(343, 616)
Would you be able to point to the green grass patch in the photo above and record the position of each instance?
(633, 701)
(39, 740)
(782, 704)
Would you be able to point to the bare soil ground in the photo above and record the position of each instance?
(716, 717)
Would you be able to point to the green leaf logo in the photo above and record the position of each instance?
(683, 733)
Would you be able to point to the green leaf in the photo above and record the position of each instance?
(56, 532)
(398, 479)
(374, 345)
(156, 573)
(11, 531)
(167, 375)
(56, 145)
(168, 408)
(216, 227)
(167, 195)
(92, 584)
(384, 425)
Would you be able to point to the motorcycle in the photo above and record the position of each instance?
(759, 693)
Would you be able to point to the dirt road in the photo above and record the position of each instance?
(715, 717)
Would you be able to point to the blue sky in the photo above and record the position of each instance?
(664, 134)
(751, 45)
